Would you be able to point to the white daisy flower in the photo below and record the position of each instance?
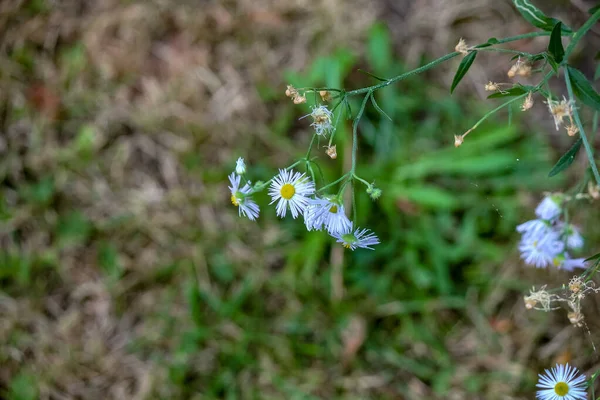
(535, 227)
(328, 213)
(291, 188)
(240, 166)
(565, 262)
(549, 208)
(541, 249)
(242, 198)
(360, 238)
(321, 120)
(561, 382)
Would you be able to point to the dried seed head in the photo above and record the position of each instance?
(458, 140)
(291, 91)
(299, 99)
(575, 318)
(575, 285)
(528, 102)
(572, 130)
(524, 70)
(462, 47)
(529, 303)
(492, 86)
(325, 95)
(331, 152)
(560, 110)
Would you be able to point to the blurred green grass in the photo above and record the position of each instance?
(193, 302)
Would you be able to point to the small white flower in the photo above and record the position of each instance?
(291, 188)
(360, 238)
(561, 382)
(549, 208)
(242, 198)
(240, 166)
(328, 213)
(321, 120)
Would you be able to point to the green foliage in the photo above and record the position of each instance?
(463, 68)
(23, 387)
(536, 17)
(583, 88)
(555, 46)
(566, 160)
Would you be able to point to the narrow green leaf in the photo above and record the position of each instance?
(583, 88)
(566, 160)
(379, 108)
(464, 66)
(555, 46)
(595, 256)
(372, 75)
(513, 91)
(536, 17)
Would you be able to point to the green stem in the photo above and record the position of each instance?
(436, 62)
(355, 132)
(312, 141)
(501, 106)
(333, 183)
(361, 179)
(586, 144)
(581, 33)
(264, 185)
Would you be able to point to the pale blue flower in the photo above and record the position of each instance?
(541, 249)
(564, 261)
(535, 227)
(561, 383)
(291, 189)
(549, 208)
(359, 238)
(327, 213)
(242, 198)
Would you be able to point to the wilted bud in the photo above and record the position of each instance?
(458, 140)
(572, 130)
(325, 95)
(374, 192)
(529, 302)
(575, 285)
(492, 86)
(575, 318)
(299, 99)
(331, 152)
(291, 91)
(462, 47)
(528, 102)
(524, 70)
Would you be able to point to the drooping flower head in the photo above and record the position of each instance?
(291, 189)
(327, 212)
(559, 110)
(561, 383)
(241, 198)
(359, 238)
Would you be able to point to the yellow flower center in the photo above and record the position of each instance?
(561, 388)
(287, 191)
(234, 200)
(333, 209)
(346, 245)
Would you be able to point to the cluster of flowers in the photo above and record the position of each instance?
(296, 192)
(561, 382)
(547, 240)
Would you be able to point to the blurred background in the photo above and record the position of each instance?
(126, 273)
